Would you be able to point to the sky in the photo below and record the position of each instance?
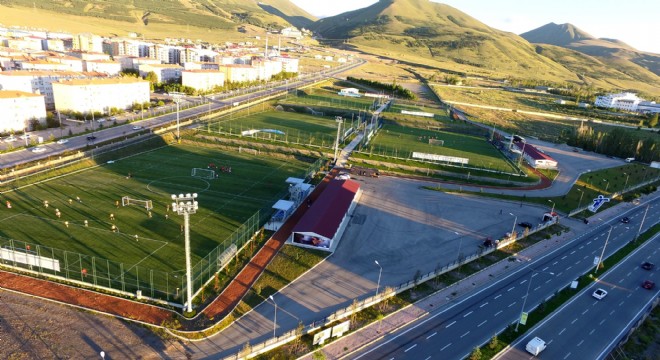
(634, 22)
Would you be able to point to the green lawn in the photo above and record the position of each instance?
(224, 204)
(400, 141)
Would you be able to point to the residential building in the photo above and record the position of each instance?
(103, 66)
(203, 79)
(646, 107)
(87, 42)
(289, 64)
(36, 82)
(291, 32)
(623, 101)
(237, 73)
(53, 44)
(88, 95)
(201, 66)
(164, 72)
(19, 108)
(25, 43)
(41, 65)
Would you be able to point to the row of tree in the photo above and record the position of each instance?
(394, 88)
(618, 142)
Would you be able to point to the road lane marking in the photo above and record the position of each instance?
(547, 281)
(524, 281)
(483, 322)
(511, 288)
(432, 335)
(545, 268)
(621, 303)
(484, 304)
(513, 303)
(568, 268)
(410, 348)
(464, 335)
(499, 312)
(538, 287)
(612, 312)
(446, 346)
(585, 257)
(592, 331)
(601, 322)
(574, 320)
(577, 262)
(452, 323)
(581, 247)
(620, 281)
(585, 311)
(580, 343)
(427, 358)
(572, 252)
(559, 273)
(562, 331)
(629, 295)
(555, 263)
(564, 257)
(567, 355)
(468, 314)
(589, 243)
(628, 274)
(497, 297)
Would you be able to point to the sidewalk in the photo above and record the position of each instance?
(345, 346)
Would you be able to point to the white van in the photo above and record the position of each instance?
(629, 160)
(535, 346)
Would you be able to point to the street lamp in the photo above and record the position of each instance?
(186, 205)
(176, 96)
(553, 206)
(529, 285)
(515, 220)
(600, 259)
(581, 195)
(626, 183)
(380, 272)
(275, 316)
(607, 184)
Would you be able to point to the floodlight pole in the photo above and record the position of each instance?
(380, 272)
(581, 195)
(600, 259)
(529, 285)
(275, 316)
(176, 96)
(186, 205)
(515, 220)
(339, 120)
(642, 223)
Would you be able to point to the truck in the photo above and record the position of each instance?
(535, 346)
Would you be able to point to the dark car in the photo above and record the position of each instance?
(91, 138)
(647, 265)
(625, 220)
(648, 284)
(526, 225)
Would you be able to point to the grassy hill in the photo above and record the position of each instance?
(634, 65)
(154, 16)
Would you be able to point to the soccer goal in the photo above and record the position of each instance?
(126, 200)
(436, 142)
(248, 150)
(203, 173)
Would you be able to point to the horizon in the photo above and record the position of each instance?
(604, 18)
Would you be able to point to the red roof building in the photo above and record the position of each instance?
(325, 221)
(535, 157)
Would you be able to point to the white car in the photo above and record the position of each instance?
(343, 176)
(137, 127)
(599, 294)
(38, 150)
(62, 141)
(24, 136)
(10, 138)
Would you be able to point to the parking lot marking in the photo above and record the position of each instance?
(452, 323)
(446, 346)
(621, 303)
(432, 335)
(410, 348)
(468, 314)
(483, 322)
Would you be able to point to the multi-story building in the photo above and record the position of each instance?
(647, 107)
(73, 63)
(166, 54)
(623, 101)
(164, 72)
(19, 108)
(87, 42)
(237, 73)
(36, 82)
(289, 64)
(201, 66)
(41, 65)
(53, 44)
(103, 66)
(92, 95)
(25, 43)
(203, 79)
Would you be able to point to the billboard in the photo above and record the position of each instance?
(321, 336)
(29, 258)
(311, 240)
(434, 157)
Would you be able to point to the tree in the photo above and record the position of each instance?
(653, 121)
(476, 354)
(494, 343)
(152, 78)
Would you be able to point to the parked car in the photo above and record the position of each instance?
(62, 141)
(648, 284)
(599, 294)
(38, 150)
(625, 220)
(647, 265)
(343, 176)
(526, 224)
(10, 138)
(24, 136)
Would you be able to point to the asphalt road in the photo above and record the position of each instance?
(587, 328)
(455, 330)
(218, 102)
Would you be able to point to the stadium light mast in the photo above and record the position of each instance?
(186, 205)
(176, 96)
(339, 121)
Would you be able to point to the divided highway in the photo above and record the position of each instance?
(455, 330)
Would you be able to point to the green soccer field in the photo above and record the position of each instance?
(401, 141)
(282, 126)
(83, 237)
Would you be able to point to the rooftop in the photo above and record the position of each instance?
(107, 81)
(11, 94)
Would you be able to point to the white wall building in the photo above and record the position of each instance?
(203, 79)
(288, 64)
(87, 95)
(623, 101)
(103, 66)
(36, 82)
(19, 108)
(164, 72)
(237, 73)
(648, 107)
